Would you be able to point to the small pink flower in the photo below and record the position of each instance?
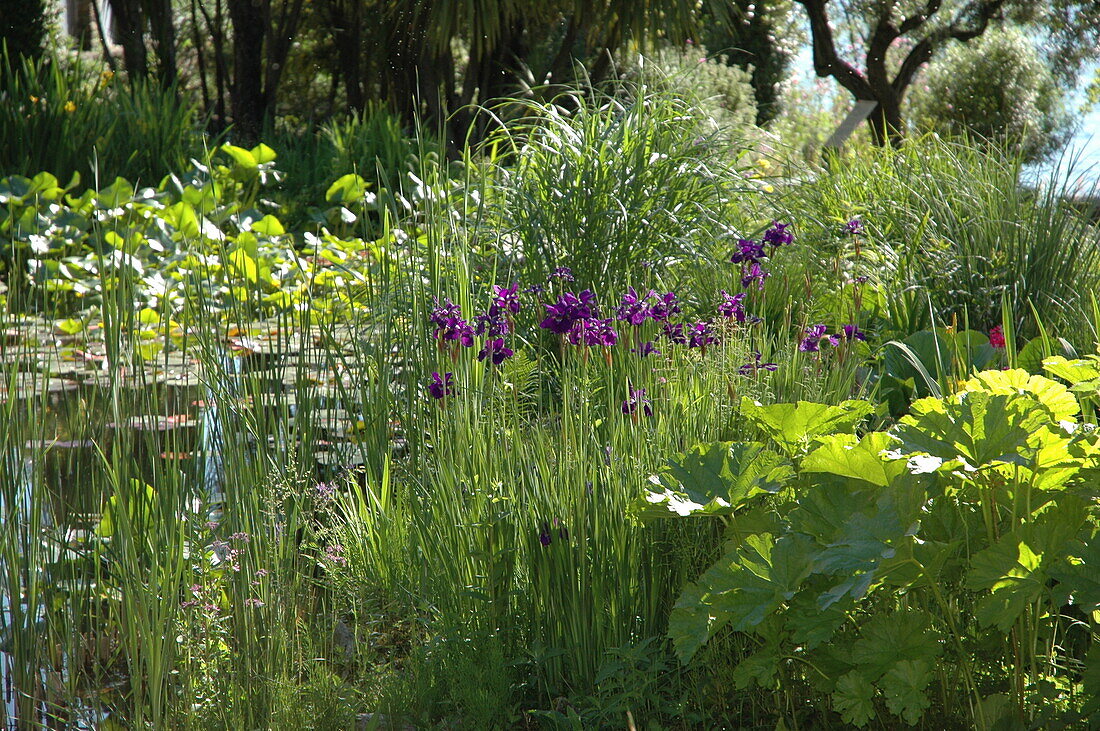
(335, 554)
(996, 337)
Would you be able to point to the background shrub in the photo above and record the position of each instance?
(996, 87)
(63, 116)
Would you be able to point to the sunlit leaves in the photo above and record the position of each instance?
(977, 427)
(1079, 575)
(891, 637)
(978, 505)
(903, 686)
(759, 668)
(347, 189)
(183, 219)
(130, 509)
(794, 426)
(242, 157)
(1010, 569)
(69, 326)
(1091, 680)
(842, 455)
(268, 226)
(1051, 395)
(715, 479)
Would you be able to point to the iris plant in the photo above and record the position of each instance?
(732, 306)
(637, 399)
(441, 386)
(755, 365)
(563, 314)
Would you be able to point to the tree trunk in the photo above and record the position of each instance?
(130, 23)
(163, 30)
(78, 16)
(247, 98)
(347, 32)
(886, 123)
(200, 58)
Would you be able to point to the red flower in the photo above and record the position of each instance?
(996, 337)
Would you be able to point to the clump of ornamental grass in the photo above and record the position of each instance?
(603, 184)
(956, 226)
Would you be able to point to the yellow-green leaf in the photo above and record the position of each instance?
(261, 153)
(269, 226)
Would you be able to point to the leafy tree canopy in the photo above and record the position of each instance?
(874, 48)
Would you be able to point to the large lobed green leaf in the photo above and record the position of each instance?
(794, 426)
(741, 589)
(714, 479)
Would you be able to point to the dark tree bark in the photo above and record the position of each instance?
(261, 44)
(346, 20)
(130, 22)
(874, 84)
(216, 27)
(247, 99)
(162, 29)
(489, 77)
(200, 58)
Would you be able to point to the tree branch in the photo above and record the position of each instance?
(882, 35)
(918, 19)
(827, 61)
(958, 30)
(919, 55)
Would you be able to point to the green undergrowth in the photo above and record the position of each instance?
(281, 467)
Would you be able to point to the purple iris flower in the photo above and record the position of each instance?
(634, 309)
(755, 274)
(674, 332)
(442, 315)
(752, 367)
(813, 336)
(664, 307)
(495, 350)
(561, 316)
(506, 298)
(440, 387)
(449, 324)
(700, 335)
(645, 349)
(563, 273)
(732, 306)
(637, 398)
(748, 251)
(544, 534)
(492, 323)
(778, 235)
(852, 332)
(592, 331)
(854, 227)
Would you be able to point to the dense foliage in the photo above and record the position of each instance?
(995, 87)
(424, 441)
